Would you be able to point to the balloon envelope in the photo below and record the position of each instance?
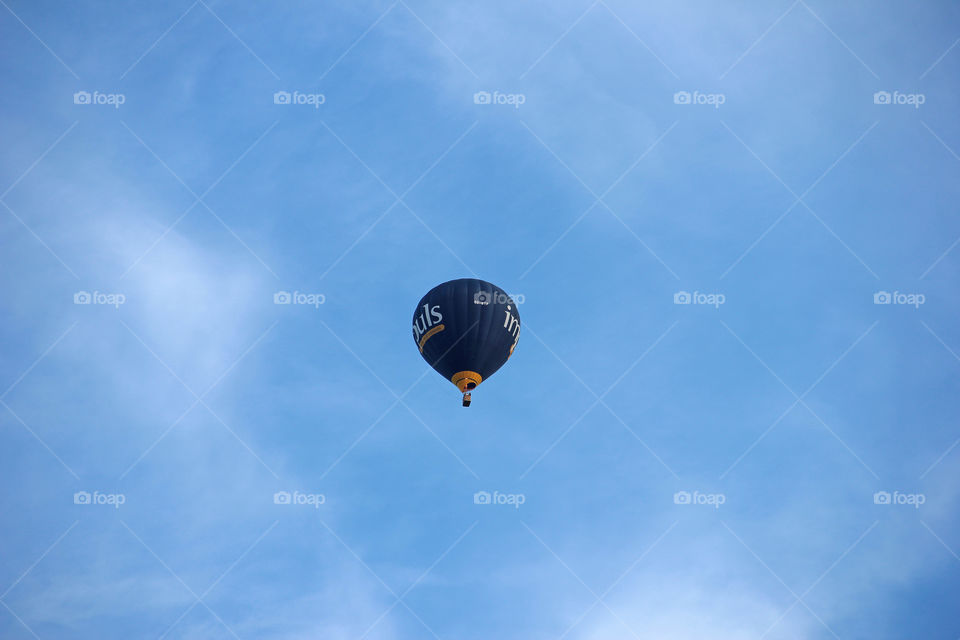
(466, 329)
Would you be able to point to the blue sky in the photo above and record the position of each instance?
(776, 458)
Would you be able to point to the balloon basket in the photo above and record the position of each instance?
(466, 399)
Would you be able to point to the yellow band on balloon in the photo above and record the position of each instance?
(429, 334)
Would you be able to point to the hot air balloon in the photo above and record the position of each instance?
(466, 329)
